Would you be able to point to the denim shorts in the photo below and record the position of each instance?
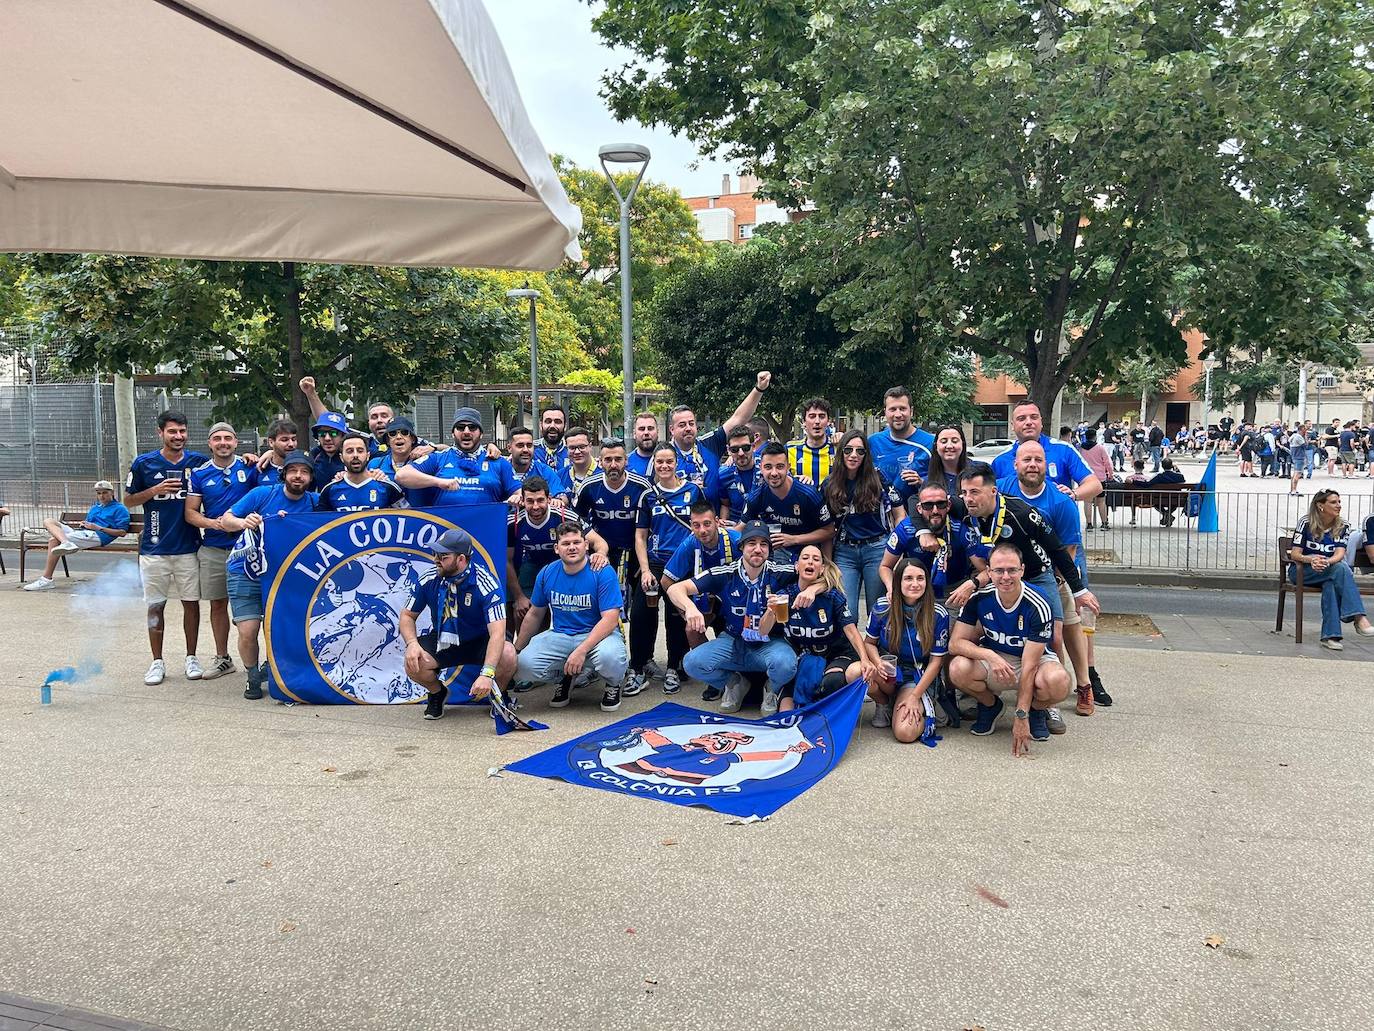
(245, 597)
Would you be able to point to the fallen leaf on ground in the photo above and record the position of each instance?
(287, 925)
(973, 1027)
(330, 769)
(1214, 941)
(670, 841)
(629, 930)
(987, 896)
(267, 864)
(650, 980)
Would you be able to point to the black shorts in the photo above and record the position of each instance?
(838, 656)
(469, 653)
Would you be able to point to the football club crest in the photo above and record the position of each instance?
(334, 591)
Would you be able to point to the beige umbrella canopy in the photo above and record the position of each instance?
(385, 132)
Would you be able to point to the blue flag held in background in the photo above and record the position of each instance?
(334, 590)
(685, 756)
(1207, 514)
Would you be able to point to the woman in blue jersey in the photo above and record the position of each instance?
(913, 632)
(948, 463)
(1319, 544)
(663, 522)
(823, 632)
(855, 495)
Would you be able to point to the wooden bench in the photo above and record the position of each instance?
(1298, 589)
(36, 538)
(1164, 498)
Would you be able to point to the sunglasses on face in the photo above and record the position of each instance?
(467, 427)
(854, 451)
(328, 433)
(740, 449)
(933, 506)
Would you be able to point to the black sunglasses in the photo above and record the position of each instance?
(739, 449)
(932, 506)
(854, 450)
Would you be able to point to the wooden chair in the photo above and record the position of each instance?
(1298, 589)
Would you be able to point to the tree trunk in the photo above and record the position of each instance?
(1046, 379)
(295, 356)
(1249, 400)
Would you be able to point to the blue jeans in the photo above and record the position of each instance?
(713, 662)
(1340, 597)
(1156, 454)
(1047, 587)
(859, 563)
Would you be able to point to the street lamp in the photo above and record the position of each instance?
(1209, 364)
(523, 294)
(625, 154)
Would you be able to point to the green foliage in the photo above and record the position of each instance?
(1010, 174)
(717, 323)
(663, 241)
(365, 333)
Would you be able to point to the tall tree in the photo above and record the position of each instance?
(1023, 177)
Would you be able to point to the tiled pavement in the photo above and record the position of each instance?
(20, 1014)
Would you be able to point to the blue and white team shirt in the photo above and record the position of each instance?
(1057, 508)
(370, 494)
(218, 488)
(693, 558)
(556, 459)
(480, 479)
(576, 600)
(165, 529)
(817, 629)
(557, 484)
(574, 481)
(701, 465)
(742, 600)
(267, 477)
(1327, 543)
(894, 454)
(326, 466)
(736, 485)
(460, 607)
(534, 542)
(611, 511)
(1008, 630)
(853, 527)
(415, 497)
(911, 655)
(639, 464)
(1064, 466)
(800, 510)
(267, 501)
(114, 515)
(949, 565)
(667, 517)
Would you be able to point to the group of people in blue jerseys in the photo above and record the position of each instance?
(780, 572)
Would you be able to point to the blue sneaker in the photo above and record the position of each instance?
(986, 722)
(1039, 725)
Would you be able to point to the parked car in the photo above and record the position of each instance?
(988, 449)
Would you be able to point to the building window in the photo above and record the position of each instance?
(746, 230)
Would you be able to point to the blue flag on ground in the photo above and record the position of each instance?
(334, 590)
(1207, 521)
(685, 756)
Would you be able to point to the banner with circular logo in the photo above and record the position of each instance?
(334, 591)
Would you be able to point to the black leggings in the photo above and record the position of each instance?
(644, 625)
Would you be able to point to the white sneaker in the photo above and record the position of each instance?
(193, 670)
(219, 666)
(770, 702)
(65, 548)
(41, 584)
(156, 672)
(882, 716)
(634, 683)
(734, 693)
(1334, 643)
(1365, 631)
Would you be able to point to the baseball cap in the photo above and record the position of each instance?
(467, 415)
(297, 458)
(103, 485)
(453, 542)
(221, 427)
(331, 421)
(755, 529)
(400, 424)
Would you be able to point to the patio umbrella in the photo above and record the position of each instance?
(385, 132)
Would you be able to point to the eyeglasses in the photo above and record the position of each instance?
(468, 427)
(1012, 571)
(579, 447)
(740, 449)
(854, 450)
(933, 506)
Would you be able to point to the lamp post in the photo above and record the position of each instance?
(523, 294)
(625, 154)
(1209, 364)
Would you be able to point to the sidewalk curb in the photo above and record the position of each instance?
(1199, 581)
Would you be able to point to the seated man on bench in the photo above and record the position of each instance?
(105, 522)
(1168, 476)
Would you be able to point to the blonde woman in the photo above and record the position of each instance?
(1319, 543)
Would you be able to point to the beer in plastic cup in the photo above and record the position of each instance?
(779, 604)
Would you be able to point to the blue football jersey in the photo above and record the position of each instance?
(736, 485)
(218, 489)
(801, 510)
(667, 517)
(470, 601)
(344, 496)
(910, 653)
(892, 455)
(534, 543)
(415, 497)
(743, 601)
(949, 566)
(820, 626)
(1059, 510)
(701, 465)
(693, 558)
(165, 529)
(1063, 464)
(611, 511)
(1009, 630)
(479, 479)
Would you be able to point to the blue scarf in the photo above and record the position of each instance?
(449, 625)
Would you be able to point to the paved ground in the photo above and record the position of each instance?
(178, 856)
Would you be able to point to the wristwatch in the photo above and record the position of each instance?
(1021, 714)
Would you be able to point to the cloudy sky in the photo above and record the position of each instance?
(558, 62)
